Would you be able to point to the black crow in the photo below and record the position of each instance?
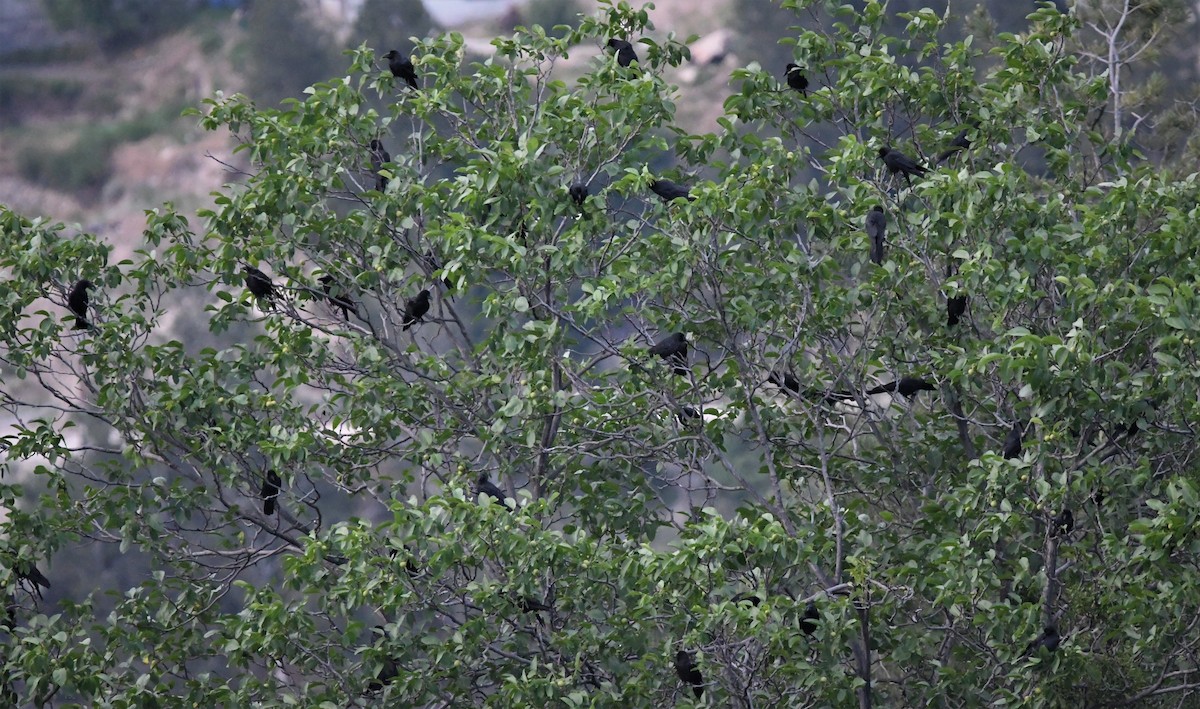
(416, 308)
(1012, 442)
(907, 386)
(379, 157)
(956, 307)
(389, 671)
(1049, 639)
(1063, 523)
(29, 573)
(270, 492)
(435, 264)
(259, 285)
(402, 67)
(625, 53)
(808, 623)
(786, 380)
(960, 142)
(751, 598)
(796, 78)
(898, 162)
(77, 303)
(685, 667)
(487, 487)
(532, 605)
(673, 348)
(789, 382)
(336, 301)
(670, 191)
(578, 192)
(876, 229)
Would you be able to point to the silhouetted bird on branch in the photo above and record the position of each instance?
(1063, 523)
(808, 623)
(956, 307)
(1012, 442)
(379, 157)
(624, 51)
(685, 667)
(796, 78)
(402, 67)
(29, 574)
(1049, 639)
(876, 230)
(898, 162)
(435, 264)
(751, 598)
(670, 191)
(907, 387)
(77, 303)
(532, 605)
(415, 309)
(673, 349)
(960, 142)
(578, 192)
(339, 300)
(789, 382)
(484, 486)
(270, 492)
(259, 285)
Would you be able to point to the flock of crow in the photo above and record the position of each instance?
(672, 349)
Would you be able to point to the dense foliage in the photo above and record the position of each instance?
(931, 561)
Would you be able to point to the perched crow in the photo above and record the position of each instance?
(578, 192)
(379, 157)
(1049, 639)
(402, 67)
(336, 301)
(669, 191)
(956, 307)
(259, 285)
(270, 492)
(29, 573)
(625, 53)
(751, 598)
(1144, 408)
(1063, 523)
(487, 487)
(789, 382)
(673, 348)
(685, 667)
(960, 142)
(416, 308)
(898, 162)
(907, 386)
(435, 264)
(388, 672)
(77, 303)
(796, 78)
(876, 228)
(532, 605)
(1012, 442)
(808, 624)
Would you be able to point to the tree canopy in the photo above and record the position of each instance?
(835, 493)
